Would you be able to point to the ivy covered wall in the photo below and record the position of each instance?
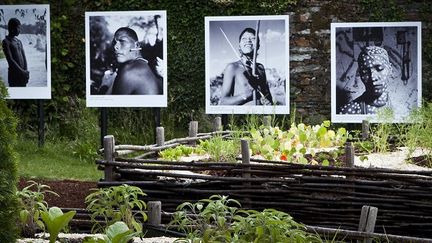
(309, 48)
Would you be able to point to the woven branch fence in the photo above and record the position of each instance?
(322, 196)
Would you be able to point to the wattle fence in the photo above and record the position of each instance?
(325, 198)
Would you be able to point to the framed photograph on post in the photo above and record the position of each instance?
(375, 71)
(25, 57)
(126, 59)
(247, 64)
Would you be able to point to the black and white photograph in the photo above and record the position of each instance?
(25, 57)
(376, 71)
(247, 64)
(126, 59)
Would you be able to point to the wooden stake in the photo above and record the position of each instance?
(193, 131)
(109, 151)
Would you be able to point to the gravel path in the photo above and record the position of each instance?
(77, 238)
(392, 160)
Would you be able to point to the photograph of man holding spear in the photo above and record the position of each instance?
(247, 64)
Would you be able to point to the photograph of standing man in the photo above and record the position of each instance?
(244, 81)
(247, 64)
(18, 75)
(25, 53)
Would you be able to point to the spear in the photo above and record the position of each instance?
(255, 49)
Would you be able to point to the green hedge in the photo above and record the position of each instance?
(186, 64)
(8, 171)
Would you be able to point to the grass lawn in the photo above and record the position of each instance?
(53, 161)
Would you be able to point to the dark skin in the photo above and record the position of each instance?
(134, 75)
(129, 79)
(15, 56)
(240, 84)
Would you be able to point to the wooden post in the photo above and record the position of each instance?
(109, 150)
(367, 221)
(365, 130)
(193, 131)
(103, 124)
(349, 154)
(246, 160)
(225, 122)
(160, 136)
(245, 155)
(217, 124)
(267, 121)
(41, 124)
(154, 213)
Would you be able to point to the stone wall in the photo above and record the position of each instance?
(310, 84)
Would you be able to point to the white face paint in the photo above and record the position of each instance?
(375, 69)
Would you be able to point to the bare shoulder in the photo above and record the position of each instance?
(232, 66)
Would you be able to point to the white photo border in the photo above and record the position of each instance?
(349, 118)
(246, 109)
(127, 100)
(34, 92)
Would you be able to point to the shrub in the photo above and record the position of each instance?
(8, 171)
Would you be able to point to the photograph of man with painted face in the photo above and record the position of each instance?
(126, 62)
(375, 68)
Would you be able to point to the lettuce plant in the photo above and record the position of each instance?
(118, 232)
(273, 143)
(55, 220)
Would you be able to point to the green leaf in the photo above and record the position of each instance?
(55, 221)
(325, 162)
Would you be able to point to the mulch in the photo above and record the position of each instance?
(71, 193)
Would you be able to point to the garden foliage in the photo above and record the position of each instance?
(219, 219)
(117, 203)
(8, 171)
(32, 205)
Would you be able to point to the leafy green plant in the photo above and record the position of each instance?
(206, 218)
(417, 133)
(55, 220)
(118, 232)
(365, 146)
(215, 220)
(116, 204)
(179, 151)
(220, 149)
(381, 132)
(273, 143)
(32, 205)
(270, 225)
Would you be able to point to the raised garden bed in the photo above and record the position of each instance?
(325, 196)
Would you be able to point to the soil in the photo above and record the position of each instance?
(71, 193)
